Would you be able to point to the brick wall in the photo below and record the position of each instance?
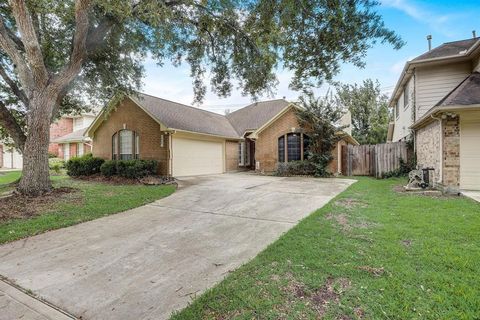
(231, 154)
(428, 145)
(266, 146)
(451, 154)
(59, 128)
(134, 118)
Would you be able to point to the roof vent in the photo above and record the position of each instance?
(474, 33)
(429, 39)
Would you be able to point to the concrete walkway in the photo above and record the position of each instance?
(475, 195)
(147, 262)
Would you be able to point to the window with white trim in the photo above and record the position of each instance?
(125, 145)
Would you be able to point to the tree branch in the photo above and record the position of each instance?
(7, 120)
(16, 90)
(30, 41)
(79, 50)
(9, 46)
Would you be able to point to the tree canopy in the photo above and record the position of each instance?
(319, 119)
(369, 109)
(57, 54)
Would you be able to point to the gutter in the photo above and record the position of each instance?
(408, 64)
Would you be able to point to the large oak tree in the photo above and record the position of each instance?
(55, 54)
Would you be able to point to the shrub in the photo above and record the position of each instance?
(402, 171)
(131, 169)
(109, 168)
(56, 164)
(134, 169)
(83, 166)
(296, 168)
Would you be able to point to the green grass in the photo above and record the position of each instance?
(9, 177)
(93, 200)
(426, 252)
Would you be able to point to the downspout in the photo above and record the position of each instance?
(441, 148)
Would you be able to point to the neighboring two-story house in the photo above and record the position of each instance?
(67, 136)
(67, 140)
(436, 102)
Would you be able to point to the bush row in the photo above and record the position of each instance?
(88, 165)
(294, 168)
(131, 169)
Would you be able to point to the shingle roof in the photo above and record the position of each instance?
(75, 136)
(466, 93)
(449, 49)
(182, 117)
(255, 115)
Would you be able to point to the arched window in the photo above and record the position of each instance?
(292, 144)
(294, 149)
(125, 145)
(281, 149)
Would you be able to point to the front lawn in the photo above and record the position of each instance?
(371, 253)
(7, 177)
(74, 201)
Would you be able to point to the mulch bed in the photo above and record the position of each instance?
(21, 207)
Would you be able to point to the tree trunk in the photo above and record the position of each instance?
(35, 179)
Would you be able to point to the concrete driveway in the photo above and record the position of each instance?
(147, 262)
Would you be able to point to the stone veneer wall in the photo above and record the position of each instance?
(428, 144)
(435, 137)
(451, 154)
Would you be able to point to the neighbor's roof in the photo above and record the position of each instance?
(466, 93)
(256, 115)
(75, 136)
(182, 117)
(449, 49)
(445, 53)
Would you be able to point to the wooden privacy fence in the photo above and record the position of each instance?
(372, 160)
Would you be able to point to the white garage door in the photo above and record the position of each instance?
(470, 153)
(196, 157)
(12, 159)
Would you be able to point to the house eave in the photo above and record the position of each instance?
(410, 65)
(254, 134)
(435, 111)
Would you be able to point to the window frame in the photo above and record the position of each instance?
(281, 151)
(294, 152)
(116, 146)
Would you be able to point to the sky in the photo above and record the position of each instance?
(413, 20)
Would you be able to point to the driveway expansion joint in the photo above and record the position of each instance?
(224, 214)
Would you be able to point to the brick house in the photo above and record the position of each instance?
(67, 137)
(437, 103)
(190, 141)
